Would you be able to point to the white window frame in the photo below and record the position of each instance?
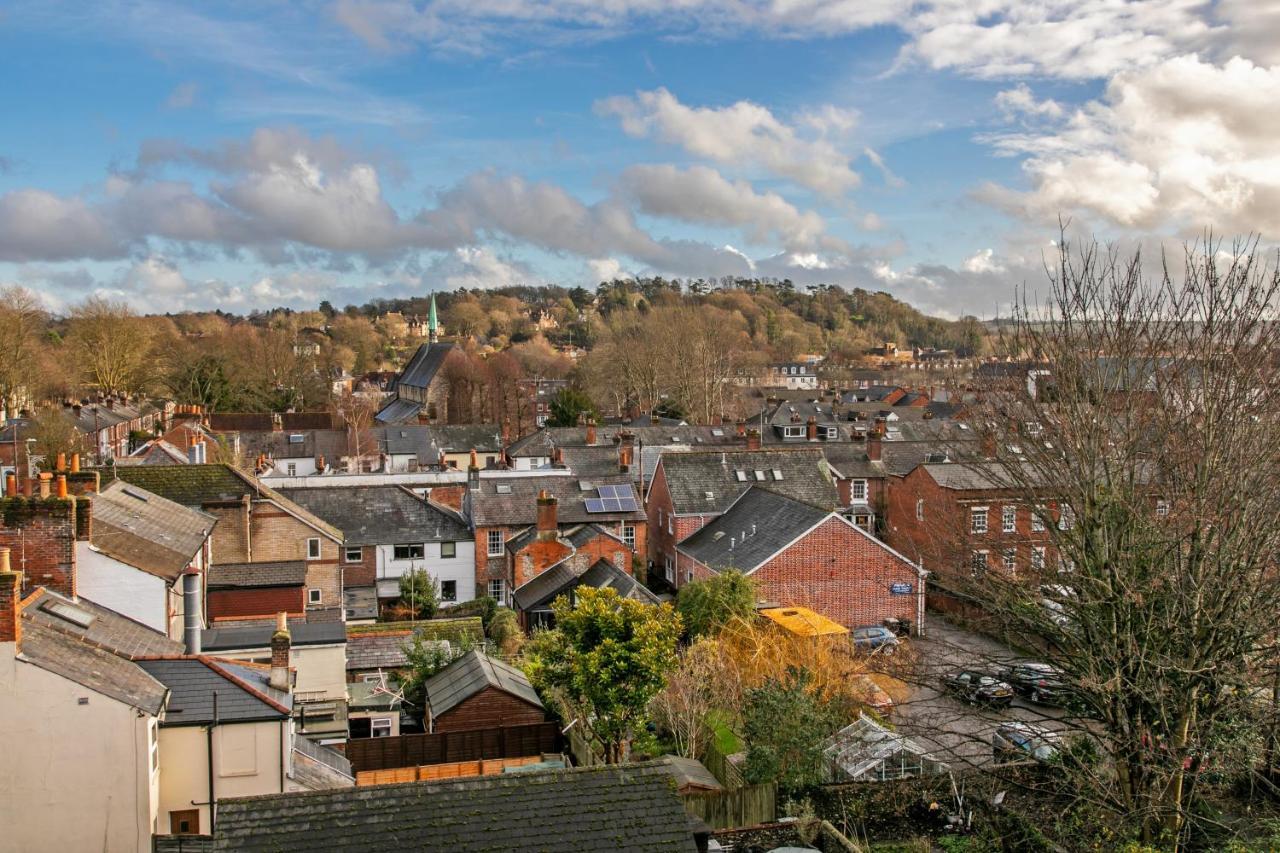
(377, 724)
(919, 509)
(1009, 518)
(497, 590)
(1038, 554)
(314, 551)
(347, 552)
(833, 432)
(979, 561)
(792, 431)
(453, 549)
(976, 513)
(315, 596)
(1162, 509)
(1066, 517)
(629, 535)
(858, 490)
(1010, 560)
(1037, 519)
(496, 543)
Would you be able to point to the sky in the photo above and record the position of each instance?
(189, 156)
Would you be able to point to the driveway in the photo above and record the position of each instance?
(954, 730)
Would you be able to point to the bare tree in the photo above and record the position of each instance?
(112, 344)
(21, 318)
(357, 414)
(1150, 452)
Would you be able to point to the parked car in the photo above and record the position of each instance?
(874, 638)
(1020, 741)
(1038, 682)
(1054, 597)
(978, 687)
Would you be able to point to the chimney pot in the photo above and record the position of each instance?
(10, 602)
(45, 480)
(62, 485)
(10, 485)
(62, 462)
(75, 463)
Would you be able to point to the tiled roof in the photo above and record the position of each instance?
(243, 692)
(428, 440)
(545, 588)
(724, 475)
(516, 506)
(690, 773)
(146, 531)
(279, 444)
(378, 651)
(380, 515)
(541, 442)
(105, 629)
(472, 673)
(238, 421)
(424, 365)
(769, 521)
(620, 808)
(259, 636)
(451, 629)
(95, 668)
(198, 485)
(246, 575)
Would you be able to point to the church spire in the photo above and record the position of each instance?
(433, 325)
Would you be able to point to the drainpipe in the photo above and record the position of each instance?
(213, 803)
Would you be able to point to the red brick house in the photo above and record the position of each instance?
(588, 516)
(955, 519)
(801, 555)
(691, 489)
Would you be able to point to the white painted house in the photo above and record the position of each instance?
(139, 547)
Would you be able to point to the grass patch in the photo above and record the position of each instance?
(726, 740)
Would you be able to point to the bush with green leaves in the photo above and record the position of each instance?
(785, 726)
(420, 593)
(706, 606)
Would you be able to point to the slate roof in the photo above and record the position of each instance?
(380, 515)
(398, 411)
(146, 531)
(620, 808)
(290, 421)
(250, 575)
(690, 476)
(428, 440)
(243, 691)
(541, 442)
(106, 629)
(198, 485)
(546, 587)
(97, 669)
(259, 636)
(518, 508)
(330, 443)
(378, 651)
(472, 673)
(424, 365)
(969, 477)
(776, 520)
(691, 774)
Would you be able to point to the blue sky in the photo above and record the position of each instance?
(246, 155)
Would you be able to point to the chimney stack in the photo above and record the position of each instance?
(557, 457)
(811, 429)
(473, 471)
(277, 422)
(874, 448)
(753, 439)
(280, 642)
(741, 431)
(10, 602)
(591, 431)
(191, 612)
(626, 449)
(882, 426)
(547, 523)
(988, 444)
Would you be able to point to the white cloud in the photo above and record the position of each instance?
(157, 278)
(1020, 103)
(701, 194)
(1184, 143)
(741, 134)
(38, 225)
(605, 269)
(982, 261)
(885, 172)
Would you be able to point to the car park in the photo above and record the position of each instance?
(978, 687)
(1021, 741)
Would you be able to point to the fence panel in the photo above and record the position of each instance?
(385, 753)
(745, 806)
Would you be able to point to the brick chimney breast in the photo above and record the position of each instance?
(547, 522)
(10, 601)
(280, 645)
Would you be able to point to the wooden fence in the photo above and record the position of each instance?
(745, 806)
(385, 753)
(726, 772)
(433, 772)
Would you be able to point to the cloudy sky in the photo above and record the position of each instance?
(247, 155)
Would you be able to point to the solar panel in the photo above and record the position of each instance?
(595, 505)
(629, 505)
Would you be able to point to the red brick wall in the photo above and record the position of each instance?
(266, 601)
(41, 536)
(841, 573)
(363, 573)
(662, 538)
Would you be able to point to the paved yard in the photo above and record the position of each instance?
(954, 730)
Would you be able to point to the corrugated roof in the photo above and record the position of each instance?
(472, 673)
(751, 531)
(89, 666)
(243, 691)
(398, 411)
(380, 515)
(623, 809)
(147, 531)
(803, 622)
